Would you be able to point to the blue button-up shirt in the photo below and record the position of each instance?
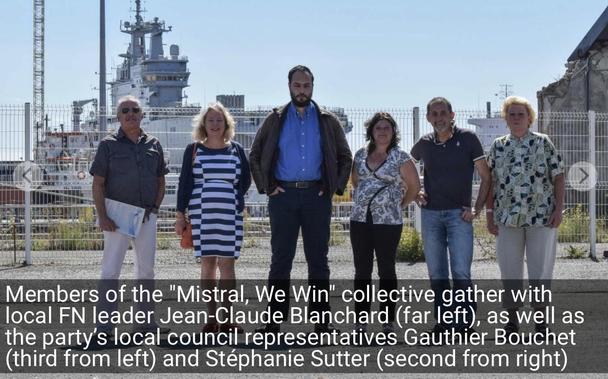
(300, 156)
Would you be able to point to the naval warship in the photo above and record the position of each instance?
(158, 81)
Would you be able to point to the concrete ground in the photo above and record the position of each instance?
(254, 263)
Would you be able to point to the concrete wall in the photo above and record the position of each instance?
(571, 92)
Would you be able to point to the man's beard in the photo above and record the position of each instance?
(443, 128)
(298, 103)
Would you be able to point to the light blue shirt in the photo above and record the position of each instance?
(300, 155)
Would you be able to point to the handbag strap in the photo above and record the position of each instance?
(194, 148)
(369, 203)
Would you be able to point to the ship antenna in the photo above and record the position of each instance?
(138, 18)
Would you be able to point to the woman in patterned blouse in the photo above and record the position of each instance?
(384, 181)
(526, 209)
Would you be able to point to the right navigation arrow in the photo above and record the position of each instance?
(584, 178)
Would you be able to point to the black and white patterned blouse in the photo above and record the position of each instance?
(523, 171)
(379, 189)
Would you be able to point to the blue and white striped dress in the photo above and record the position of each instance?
(217, 227)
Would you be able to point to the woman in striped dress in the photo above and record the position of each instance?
(214, 179)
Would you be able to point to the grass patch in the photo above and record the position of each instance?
(337, 235)
(575, 252)
(410, 246)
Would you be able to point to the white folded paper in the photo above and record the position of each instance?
(128, 218)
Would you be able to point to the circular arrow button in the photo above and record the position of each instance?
(28, 176)
(582, 176)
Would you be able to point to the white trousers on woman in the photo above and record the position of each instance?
(539, 244)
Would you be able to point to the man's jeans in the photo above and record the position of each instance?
(289, 211)
(442, 232)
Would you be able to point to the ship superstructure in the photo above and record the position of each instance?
(157, 80)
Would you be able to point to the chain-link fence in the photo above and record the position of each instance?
(58, 225)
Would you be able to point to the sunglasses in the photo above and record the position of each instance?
(126, 110)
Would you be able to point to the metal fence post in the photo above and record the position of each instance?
(592, 191)
(416, 136)
(27, 193)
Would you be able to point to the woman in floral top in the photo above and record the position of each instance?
(526, 209)
(384, 180)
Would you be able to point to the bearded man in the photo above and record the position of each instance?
(300, 158)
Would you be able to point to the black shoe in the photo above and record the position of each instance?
(388, 328)
(269, 328)
(541, 328)
(438, 329)
(510, 328)
(101, 337)
(543, 332)
(325, 328)
(466, 330)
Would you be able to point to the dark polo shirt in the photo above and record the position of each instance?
(131, 169)
(448, 168)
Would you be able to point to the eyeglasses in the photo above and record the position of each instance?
(126, 110)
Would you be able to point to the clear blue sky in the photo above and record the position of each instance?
(363, 53)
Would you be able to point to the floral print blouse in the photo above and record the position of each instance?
(379, 190)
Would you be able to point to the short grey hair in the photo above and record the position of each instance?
(124, 99)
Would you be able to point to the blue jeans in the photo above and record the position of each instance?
(289, 212)
(444, 232)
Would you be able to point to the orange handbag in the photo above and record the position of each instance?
(186, 241)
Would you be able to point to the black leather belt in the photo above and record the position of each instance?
(300, 185)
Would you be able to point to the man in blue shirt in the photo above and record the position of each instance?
(300, 158)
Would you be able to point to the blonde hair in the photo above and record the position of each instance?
(198, 124)
(518, 100)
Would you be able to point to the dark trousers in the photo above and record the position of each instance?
(367, 238)
(289, 211)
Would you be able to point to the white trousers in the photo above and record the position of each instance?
(539, 245)
(114, 250)
(115, 247)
